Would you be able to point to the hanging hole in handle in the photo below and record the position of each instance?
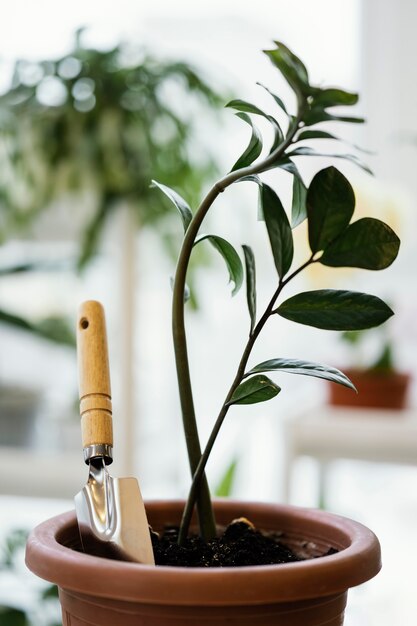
(84, 323)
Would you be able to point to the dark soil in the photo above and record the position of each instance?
(239, 544)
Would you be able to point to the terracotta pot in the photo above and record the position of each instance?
(101, 592)
(382, 391)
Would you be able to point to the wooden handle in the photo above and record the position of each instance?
(94, 378)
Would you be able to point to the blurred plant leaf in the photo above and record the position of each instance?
(333, 97)
(256, 389)
(306, 368)
(231, 257)
(333, 309)
(247, 107)
(51, 592)
(13, 543)
(13, 617)
(250, 284)
(330, 205)
(367, 243)
(225, 487)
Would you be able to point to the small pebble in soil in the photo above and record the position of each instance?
(239, 544)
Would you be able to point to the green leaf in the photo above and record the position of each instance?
(247, 107)
(368, 243)
(306, 368)
(315, 134)
(307, 151)
(279, 229)
(55, 329)
(50, 592)
(332, 309)
(252, 178)
(256, 389)
(12, 617)
(323, 134)
(254, 148)
(291, 67)
(330, 205)
(317, 115)
(225, 486)
(299, 206)
(289, 166)
(334, 97)
(231, 257)
(250, 284)
(277, 99)
(179, 202)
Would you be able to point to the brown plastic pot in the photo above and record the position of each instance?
(100, 592)
(375, 390)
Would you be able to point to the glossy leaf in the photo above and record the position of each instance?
(299, 206)
(279, 229)
(250, 284)
(317, 115)
(287, 165)
(307, 151)
(330, 205)
(231, 257)
(254, 148)
(306, 368)
(333, 309)
(247, 107)
(367, 243)
(334, 97)
(255, 389)
(179, 202)
(277, 99)
(323, 134)
(291, 67)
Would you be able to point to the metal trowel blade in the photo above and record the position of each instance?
(112, 518)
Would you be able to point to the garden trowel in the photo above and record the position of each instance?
(110, 511)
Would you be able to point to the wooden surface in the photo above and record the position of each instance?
(94, 376)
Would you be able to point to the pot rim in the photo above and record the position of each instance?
(358, 561)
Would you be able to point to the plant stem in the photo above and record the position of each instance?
(204, 505)
(240, 374)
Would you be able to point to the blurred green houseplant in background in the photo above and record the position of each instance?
(95, 127)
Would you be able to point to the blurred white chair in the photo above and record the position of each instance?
(328, 433)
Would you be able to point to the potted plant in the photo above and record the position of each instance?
(84, 133)
(304, 592)
(380, 383)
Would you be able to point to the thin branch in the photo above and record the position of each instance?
(240, 374)
(204, 506)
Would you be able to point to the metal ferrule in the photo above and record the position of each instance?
(98, 451)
